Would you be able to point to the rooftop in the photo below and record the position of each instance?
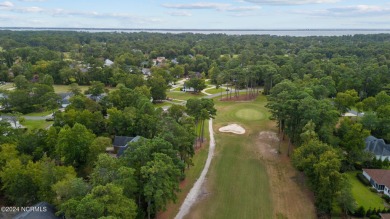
(380, 176)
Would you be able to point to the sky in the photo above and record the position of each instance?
(193, 14)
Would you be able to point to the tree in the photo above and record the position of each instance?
(18, 184)
(352, 136)
(158, 87)
(70, 188)
(73, 145)
(321, 164)
(197, 83)
(345, 198)
(97, 147)
(345, 100)
(102, 201)
(200, 109)
(21, 82)
(75, 89)
(96, 88)
(47, 79)
(161, 182)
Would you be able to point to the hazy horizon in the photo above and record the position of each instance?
(213, 14)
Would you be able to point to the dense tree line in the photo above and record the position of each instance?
(310, 82)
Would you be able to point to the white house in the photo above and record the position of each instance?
(379, 179)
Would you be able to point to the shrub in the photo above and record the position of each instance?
(374, 216)
(386, 198)
(372, 189)
(360, 212)
(363, 179)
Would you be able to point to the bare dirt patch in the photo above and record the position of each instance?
(233, 128)
(290, 197)
(242, 97)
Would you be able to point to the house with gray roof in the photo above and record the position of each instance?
(121, 143)
(378, 147)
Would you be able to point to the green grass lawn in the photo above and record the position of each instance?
(183, 95)
(215, 91)
(44, 113)
(178, 88)
(59, 88)
(161, 104)
(237, 182)
(362, 194)
(36, 124)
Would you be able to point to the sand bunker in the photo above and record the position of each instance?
(233, 128)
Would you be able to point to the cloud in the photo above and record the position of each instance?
(6, 4)
(198, 5)
(211, 5)
(349, 11)
(32, 0)
(180, 13)
(290, 2)
(29, 9)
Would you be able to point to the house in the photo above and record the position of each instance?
(174, 61)
(187, 88)
(108, 63)
(379, 179)
(385, 215)
(42, 210)
(159, 61)
(13, 122)
(353, 113)
(378, 147)
(96, 98)
(65, 99)
(146, 71)
(121, 143)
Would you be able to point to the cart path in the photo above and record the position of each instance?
(192, 196)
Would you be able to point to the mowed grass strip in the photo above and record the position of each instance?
(36, 124)
(183, 95)
(237, 184)
(362, 194)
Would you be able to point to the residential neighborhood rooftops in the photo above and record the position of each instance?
(380, 176)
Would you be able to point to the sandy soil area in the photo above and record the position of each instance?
(233, 128)
(291, 198)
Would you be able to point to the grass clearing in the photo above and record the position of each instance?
(362, 194)
(44, 113)
(59, 88)
(242, 182)
(237, 182)
(215, 91)
(36, 124)
(183, 95)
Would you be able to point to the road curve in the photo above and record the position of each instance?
(194, 193)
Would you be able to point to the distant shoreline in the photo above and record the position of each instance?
(194, 29)
(276, 32)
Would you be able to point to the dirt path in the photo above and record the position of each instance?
(196, 189)
(290, 197)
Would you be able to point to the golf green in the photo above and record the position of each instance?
(249, 114)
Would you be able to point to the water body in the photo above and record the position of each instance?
(276, 32)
